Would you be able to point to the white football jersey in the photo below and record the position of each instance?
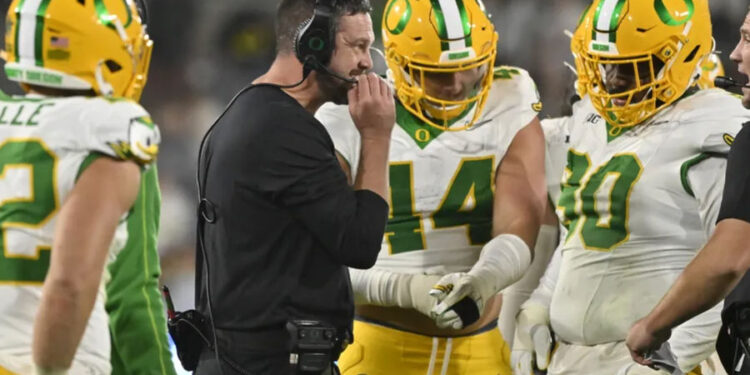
(637, 207)
(442, 182)
(45, 143)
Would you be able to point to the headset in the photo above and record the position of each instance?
(316, 40)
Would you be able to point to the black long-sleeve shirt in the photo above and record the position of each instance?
(287, 222)
(735, 204)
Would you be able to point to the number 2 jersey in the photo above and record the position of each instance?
(45, 144)
(442, 182)
(637, 207)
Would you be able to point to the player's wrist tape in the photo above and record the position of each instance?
(502, 261)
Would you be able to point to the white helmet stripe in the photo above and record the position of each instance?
(27, 32)
(605, 20)
(453, 24)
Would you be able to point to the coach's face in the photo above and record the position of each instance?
(351, 56)
(741, 55)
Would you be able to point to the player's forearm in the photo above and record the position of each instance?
(61, 320)
(372, 173)
(705, 281)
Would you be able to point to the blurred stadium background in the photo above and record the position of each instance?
(205, 51)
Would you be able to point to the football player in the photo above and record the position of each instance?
(467, 195)
(644, 154)
(77, 191)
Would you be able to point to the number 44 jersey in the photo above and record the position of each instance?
(442, 182)
(45, 144)
(637, 207)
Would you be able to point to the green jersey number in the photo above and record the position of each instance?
(27, 202)
(603, 225)
(467, 202)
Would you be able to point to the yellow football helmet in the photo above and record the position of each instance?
(710, 69)
(100, 45)
(661, 42)
(424, 37)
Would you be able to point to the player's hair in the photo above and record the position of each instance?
(292, 13)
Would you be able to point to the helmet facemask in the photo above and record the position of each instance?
(661, 43)
(437, 110)
(429, 42)
(625, 88)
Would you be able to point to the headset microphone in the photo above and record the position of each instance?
(317, 66)
(727, 83)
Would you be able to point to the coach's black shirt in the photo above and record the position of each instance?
(735, 205)
(287, 222)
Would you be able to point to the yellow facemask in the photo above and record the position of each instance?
(439, 37)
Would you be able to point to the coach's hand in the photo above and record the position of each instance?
(533, 340)
(372, 106)
(642, 340)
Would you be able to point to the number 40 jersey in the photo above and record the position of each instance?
(442, 182)
(45, 144)
(637, 207)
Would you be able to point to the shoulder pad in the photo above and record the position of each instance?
(515, 87)
(712, 118)
(122, 129)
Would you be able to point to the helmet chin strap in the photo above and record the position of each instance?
(104, 87)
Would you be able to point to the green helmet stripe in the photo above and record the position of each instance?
(41, 14)
(440, 21)
(667, 18)
(465, 21)
(615, 19)
(18, 28)
(606, 18)
(452, 23)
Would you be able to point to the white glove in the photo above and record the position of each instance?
(533, 340)
(453, 288)
(385, 288)
(502, 262)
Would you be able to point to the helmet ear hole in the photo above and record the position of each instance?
(82, 2)
(691, 56)
(113, 66)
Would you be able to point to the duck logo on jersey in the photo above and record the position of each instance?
(143, 143)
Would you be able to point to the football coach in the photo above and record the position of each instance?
(722, 262)
(278, 222)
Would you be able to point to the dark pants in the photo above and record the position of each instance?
(262, 364)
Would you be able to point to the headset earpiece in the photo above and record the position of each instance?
(315, 38)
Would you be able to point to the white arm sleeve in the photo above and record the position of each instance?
(542, 295)
(694, 340)
(519, 292)
(385, 288)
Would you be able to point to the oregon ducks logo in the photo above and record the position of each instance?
(728, 139)
(422, 135)
(396, 7)
(665, 15)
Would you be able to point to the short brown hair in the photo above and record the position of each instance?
(291, 14)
